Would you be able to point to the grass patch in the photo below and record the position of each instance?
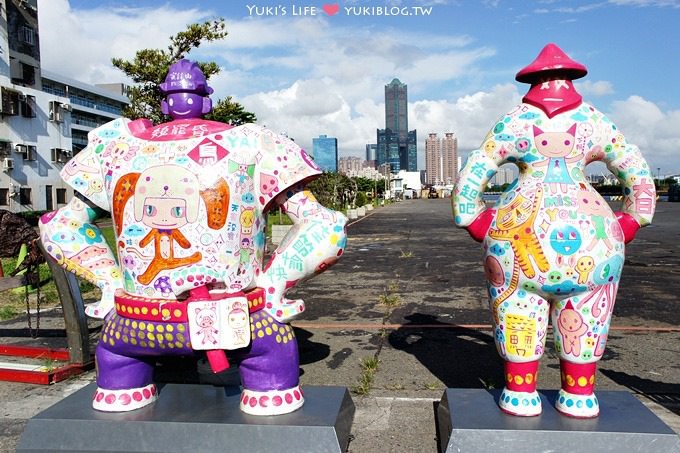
(389, 298)
(432, 385)
(8, 313)
(276, 217)
(369, 366)
(406, 254)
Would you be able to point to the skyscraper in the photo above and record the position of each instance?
(325, 152)
(397, 145)
(441, 158)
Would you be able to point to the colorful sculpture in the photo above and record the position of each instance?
(552, 245)
(188, 199)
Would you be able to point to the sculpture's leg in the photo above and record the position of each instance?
(581, 326)
(125, 360)
(520, 339)
(519, 396)
(576, 397)
(123, 383)
(270, 371)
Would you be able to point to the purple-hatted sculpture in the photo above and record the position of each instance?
(188, 199)
(552, 245)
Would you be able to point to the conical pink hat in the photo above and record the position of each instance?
(551, 61)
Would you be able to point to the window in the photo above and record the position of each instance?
(5, 148)
(61, 196)
(25, 196)
(4, 197)
(31, 153)
(27, 35)
(61, 156)
(10, 101)
(55, 112)
(28, 106)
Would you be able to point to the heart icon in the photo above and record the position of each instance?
(331, 8)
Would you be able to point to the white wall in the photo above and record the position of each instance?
(45, 135)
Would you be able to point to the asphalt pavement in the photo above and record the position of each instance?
(403, 316)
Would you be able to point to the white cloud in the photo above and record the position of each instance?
(655, 132)
(597, 88)
(80, 43)
(308, 76)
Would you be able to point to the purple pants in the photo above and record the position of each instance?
(127, 348)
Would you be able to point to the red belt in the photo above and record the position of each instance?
(163, 310)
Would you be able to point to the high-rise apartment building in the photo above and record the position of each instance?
(352, 164)
(441, 158)
(372, 154)
(396, 145)
(44, 117)
(325, 152)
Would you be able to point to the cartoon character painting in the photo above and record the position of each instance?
(188, 199)
(553, 248)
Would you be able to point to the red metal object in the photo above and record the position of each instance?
(49, 375)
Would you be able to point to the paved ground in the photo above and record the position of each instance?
(433, 332)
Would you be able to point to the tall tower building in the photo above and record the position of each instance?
(396, 107)
(441, 158)
(397, 145)
(325, 152)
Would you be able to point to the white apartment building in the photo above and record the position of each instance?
(44, 117)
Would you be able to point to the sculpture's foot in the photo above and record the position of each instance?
(523, 404)
(272, 402)
(578, 406)
(124, 400)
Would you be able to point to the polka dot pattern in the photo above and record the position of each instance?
(526, 404)
(124, 400)
(578, 406)
(273, 402)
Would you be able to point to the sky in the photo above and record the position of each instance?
(306, 67)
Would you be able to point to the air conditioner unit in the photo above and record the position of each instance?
(67, 107)
(20, 148)
(7, 164)
(55, 112)
(61, 156)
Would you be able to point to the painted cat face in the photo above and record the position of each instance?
(555, 144)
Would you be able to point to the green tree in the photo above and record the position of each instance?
(228, 111)
(150, 66)
(333, 190)
(361, 199)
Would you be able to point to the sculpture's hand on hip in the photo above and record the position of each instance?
(480, 226)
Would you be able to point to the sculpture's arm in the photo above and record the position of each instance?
(625, 161)
(469, 210)
(315, 242)
(72, 238)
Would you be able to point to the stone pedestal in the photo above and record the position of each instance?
(469, 420)
(192, 418)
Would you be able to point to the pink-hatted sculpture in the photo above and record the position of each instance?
(189, 200)
(552, 245)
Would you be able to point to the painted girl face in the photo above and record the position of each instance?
(164, 213)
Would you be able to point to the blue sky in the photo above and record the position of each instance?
(307, 73)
